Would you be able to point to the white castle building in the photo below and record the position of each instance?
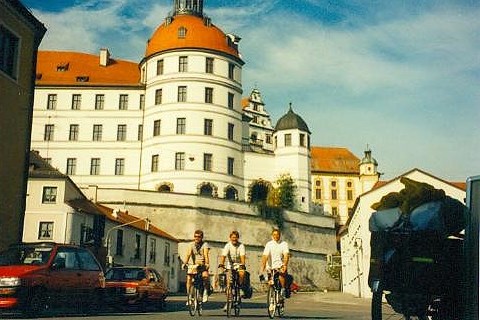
(174, 122)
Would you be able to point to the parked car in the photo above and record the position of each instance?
(35, 276)
(135, 286)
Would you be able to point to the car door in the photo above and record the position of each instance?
(90, 275)
(65, 275)
(157, 286)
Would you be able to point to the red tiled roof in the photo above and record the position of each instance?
(117, 72)
(245, 102)
(334, 160)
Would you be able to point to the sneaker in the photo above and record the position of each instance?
(225, 307)
(205, 296)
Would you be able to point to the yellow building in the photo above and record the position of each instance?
(20, 36)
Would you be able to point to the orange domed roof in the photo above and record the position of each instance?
(198, 33)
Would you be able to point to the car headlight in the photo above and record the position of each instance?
(131, 290)
(10, 282)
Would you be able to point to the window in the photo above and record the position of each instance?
(138, 240)
(302, 140)
(158, 96)
(49, 195)
(153, 250)
(183, 64)
(334, 194)
(159, 67)
(156, 128)
(255, 119)
(121, 132)
(154, 167)
(288, 139)
(76, 101)
(182, 32)
(318, 183)
(95, 166)
(255, 107)
(99, 101)
(166, 254)
(318, 194)
(71, 166)
(97, 132)
(208, 127)
(268, 138)
(334, 211)
(349, 194)
(52, 102)
(182, 94)
(8, 52)
(180, 161)
(73, 134)
(123, 102)
(48, 134)
(209, 65)
(230, 163)
(333, 184)
(119, 247)
(207, 162)
(181, 123)
(142, 102)
(231, 98)
(119, 166)
(140, 132)
(45, 231)
(231, 71)
(231, 126)
(349, 184)
(208, 95)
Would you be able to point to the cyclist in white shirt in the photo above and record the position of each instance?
(277, 255)
(198, 250)
(234, 252)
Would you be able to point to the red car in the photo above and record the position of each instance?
(35, 276)
(135, 286)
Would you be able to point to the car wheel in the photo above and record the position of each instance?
(38, 303)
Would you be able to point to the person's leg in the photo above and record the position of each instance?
(206, 285)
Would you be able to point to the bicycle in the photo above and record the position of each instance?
(234, 298)
(275, 301)
(195, 292)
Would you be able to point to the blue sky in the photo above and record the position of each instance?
(400, 76)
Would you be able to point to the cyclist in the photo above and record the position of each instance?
(234, 252)
(199, 250)
(277, 255)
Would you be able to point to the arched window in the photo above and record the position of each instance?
(258, 191)
(206, 190)
(165, 187)
(231, 193)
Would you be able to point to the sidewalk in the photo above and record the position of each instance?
(337, 297)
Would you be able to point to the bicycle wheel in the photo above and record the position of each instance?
(236, 301)
(191, 300)
(280, 304)
(199, 298)
(229, 301)
(271, 303)
(384, 311)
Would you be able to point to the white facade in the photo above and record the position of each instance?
(355, 242)
(183, 130)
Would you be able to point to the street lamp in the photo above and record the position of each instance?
(359, 248)
(107, 238)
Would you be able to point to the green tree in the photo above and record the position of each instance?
(286, 191)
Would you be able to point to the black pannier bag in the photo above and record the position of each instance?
(247, 288)
(415, 252)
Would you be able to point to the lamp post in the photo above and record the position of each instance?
(107, 238)
(358, 246)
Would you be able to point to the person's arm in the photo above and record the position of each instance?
(223, 256)
(206, 253)
(242, 254)
(266, 252)
(286, 258)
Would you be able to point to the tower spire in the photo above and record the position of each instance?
(193, 7)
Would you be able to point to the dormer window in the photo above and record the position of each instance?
(182, 32)
(62, 67)
(82, 79)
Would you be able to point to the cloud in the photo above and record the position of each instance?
(400, 77)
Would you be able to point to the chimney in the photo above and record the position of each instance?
(104, 57)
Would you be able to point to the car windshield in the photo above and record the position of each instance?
(125, 274)
(25, 255)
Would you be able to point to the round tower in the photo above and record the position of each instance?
(192, 117)
(368, 171)
(292, 154)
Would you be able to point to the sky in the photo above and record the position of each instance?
(400, 77)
